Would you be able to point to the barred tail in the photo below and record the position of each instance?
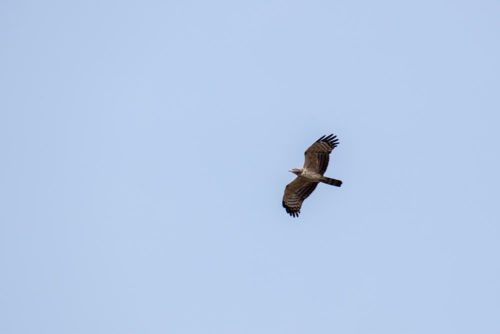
(330, 181)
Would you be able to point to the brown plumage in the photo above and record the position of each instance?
(308, 177)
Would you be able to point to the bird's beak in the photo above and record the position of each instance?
(290, 171)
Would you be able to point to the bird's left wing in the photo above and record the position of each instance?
(317, 155)
(295, 193)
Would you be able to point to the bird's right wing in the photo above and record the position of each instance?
(295, 193)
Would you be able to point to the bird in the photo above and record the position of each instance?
(308, 177)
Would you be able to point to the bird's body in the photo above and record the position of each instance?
(307, 174)
(308, 177)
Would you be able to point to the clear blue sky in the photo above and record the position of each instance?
(146, 144)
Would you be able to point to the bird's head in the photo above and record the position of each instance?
(296, 171)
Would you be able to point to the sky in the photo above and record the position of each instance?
(146, 146)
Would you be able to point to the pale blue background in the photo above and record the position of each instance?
(146, 144)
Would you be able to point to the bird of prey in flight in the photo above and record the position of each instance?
(308, 177)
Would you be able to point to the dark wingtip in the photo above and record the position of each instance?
(331, 140)
(291, 212)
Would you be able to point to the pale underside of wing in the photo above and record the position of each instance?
(317, 155)
(295, 193)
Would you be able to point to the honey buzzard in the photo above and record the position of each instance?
(308, 177)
